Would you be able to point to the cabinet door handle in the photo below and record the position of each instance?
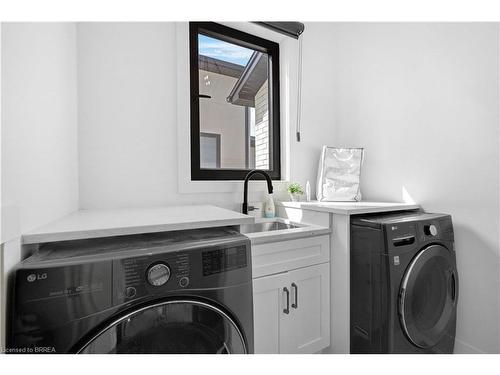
(286, 310)
(296, 303)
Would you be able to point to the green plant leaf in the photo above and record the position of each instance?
(295, 188)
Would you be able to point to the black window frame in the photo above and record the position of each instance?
(249, 41)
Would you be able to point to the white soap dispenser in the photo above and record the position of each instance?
(269, 210)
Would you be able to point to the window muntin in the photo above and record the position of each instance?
(234, 95)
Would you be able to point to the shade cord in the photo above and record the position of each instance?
(299, 90)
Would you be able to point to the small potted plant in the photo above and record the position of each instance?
(295, 191)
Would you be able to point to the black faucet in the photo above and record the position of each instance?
(245, 187)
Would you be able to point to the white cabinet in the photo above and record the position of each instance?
(292, 311)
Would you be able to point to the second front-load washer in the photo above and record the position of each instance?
(404, 283)
(176, 292)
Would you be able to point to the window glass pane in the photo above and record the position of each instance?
(234, 104)
(210, 150)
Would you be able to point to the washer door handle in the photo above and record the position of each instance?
(453, 280)
(402, 295)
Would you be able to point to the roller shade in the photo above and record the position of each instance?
(292, 29)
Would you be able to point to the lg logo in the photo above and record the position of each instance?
(33, 277)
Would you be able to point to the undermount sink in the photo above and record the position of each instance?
(265, 227)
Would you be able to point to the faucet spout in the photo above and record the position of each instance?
(245, 187)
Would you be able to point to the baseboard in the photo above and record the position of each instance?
(462, 347)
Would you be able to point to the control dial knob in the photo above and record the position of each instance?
(158, 274)
(430, 230)
(130, 292)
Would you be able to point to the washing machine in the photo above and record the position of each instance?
(403, 283)
(177, 292)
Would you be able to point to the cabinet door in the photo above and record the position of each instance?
(308, 329)
(268, 312)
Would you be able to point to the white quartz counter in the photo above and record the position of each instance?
(350, 208)
(104, 223)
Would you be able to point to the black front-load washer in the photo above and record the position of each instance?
(404, 283)
(177, 292)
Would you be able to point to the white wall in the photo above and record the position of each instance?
(127, 120)
(39, 164)
(423, 99)
(39, 128)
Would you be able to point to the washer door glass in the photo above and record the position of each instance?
(428, 296)
(177, 327)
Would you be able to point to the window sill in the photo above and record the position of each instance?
(193, 187)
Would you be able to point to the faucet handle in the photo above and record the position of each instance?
(253, 208)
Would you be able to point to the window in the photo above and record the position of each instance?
(235, 119)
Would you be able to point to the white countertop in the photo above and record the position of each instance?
(350, 208)
(104, 223)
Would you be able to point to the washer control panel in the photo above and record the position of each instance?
(149, 274)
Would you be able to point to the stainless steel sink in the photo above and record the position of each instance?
(266, 227)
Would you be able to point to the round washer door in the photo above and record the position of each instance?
(428, 296)
(176, 327)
